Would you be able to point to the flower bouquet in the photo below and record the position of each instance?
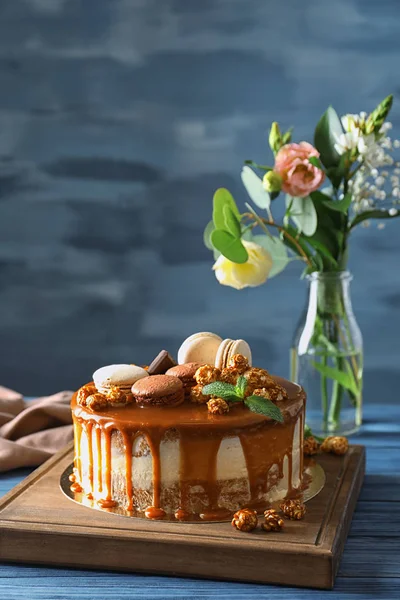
(347, 178)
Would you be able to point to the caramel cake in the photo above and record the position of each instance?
(157, 451)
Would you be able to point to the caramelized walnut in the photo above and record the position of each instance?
(217, 406)
(239, 362)
(115, 395)
(83, 393)
(273, 521)
(207, 374)
(293, 509)
(311, 446)
(335, 445)
(245, 520)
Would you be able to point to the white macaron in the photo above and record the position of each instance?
(229, 348)
(121, 376)
(200, 347)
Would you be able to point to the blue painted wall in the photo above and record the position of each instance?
(118, 119)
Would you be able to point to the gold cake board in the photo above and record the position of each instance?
(40, 525)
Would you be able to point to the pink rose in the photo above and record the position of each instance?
(299, 176)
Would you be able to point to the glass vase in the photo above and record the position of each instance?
(327, 356)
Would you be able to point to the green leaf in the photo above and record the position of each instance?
(207, 235)
(223, 197)
(255, 189)
(226, 391)
(257, 166)
(263, 406)
(340, 205)
(376, 119)
(314, 160)
(287, 136)
(276, 249)
(231, 221)
(303, 214)
(373, 214)
(322, 249)
(344, 379)
(337, 173)
(230, 246)
(325, 137)
(308, 433)
(241, 386)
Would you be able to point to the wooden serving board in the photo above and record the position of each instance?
(38, 524)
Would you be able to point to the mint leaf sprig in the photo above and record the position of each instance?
(236, 393)
(308, 433)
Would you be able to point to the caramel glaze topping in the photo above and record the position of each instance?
(265, 443)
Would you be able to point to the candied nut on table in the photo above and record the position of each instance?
(217, 406)
(277, 393)
(311, 446)
(97, 402)
(257, 379)
(293, 509)
(196, 396)
(239, 362)
(245, 520)
(207, 374)
(83, 393)
(273, 521)
(230, 375)
(335, 445)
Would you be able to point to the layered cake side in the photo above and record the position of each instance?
(171, 449)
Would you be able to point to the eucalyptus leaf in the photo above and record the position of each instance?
(322, 249)
(276, 249)
(231, 221)
(230, 246)
(303, 214)
(207, 235)
(223, 197)
(263, 406)
(328, 129)
(344, 379)
(255, 189)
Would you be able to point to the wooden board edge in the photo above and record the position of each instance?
(158, 557)
(41, 470)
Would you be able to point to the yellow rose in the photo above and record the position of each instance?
(252, 273)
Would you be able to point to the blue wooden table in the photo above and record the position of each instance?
(370, 566)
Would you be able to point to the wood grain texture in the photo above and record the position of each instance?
(36, 514)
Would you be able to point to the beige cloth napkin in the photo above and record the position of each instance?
(31, 432)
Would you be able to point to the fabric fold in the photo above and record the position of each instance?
(31, 432)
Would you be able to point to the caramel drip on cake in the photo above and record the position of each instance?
(107, 502)
(99, 460)
(128, 445)
(154, 440)
(191, 484)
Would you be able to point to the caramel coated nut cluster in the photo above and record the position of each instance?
(217, 406)
(277, 393)
(293, 509)
(273, 521)
(83, 393)
(335, 445)
(245, 520)
(97, 401)
(230, 375)
(311, 446)
(239, 362)
(257, 379)
(196, 395)
(207, 374)
(116, 396)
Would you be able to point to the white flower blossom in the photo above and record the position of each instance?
(347, 141)
(393, 212)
